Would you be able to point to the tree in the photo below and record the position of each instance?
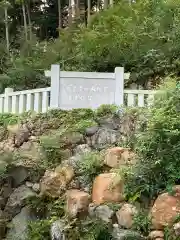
(29, 19)
(106, 3)
(24, 17)
(89, 11)
(59, 16)
(5, 5)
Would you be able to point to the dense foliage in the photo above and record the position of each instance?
(158, 148)
(143, 37)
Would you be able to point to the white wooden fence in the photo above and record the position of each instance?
(42, 99)
(22, 101)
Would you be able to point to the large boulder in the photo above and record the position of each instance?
(107, 187)
(17, 200)
(125, 215)
(18, 227)
(90, 131)
(54, 183)
(112, 122)
(19, 174)
(118, 156)
(77, 202)
(104, 137)
(165, 209)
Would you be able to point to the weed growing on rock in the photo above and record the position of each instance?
(96, 230)
(142, 222)
(90, 165)
(7, 118)
(44, 207)
(106, 110)
(114, 206)
(39, 230)
(83, 124)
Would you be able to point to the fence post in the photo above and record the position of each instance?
(119, 86)
(55, 86)
(7, 100)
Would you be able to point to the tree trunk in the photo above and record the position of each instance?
(111, 2)
(106, 4)
(78, 9)
(98, 5)
(73, 7)
(88, 11)
(85, 12)
(70, 13)
(7, 30)
(29, 21)
(25, 23)
(59, 17)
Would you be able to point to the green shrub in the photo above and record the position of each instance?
(158, 148)
(90, 165)
(83, 124)
(141, 222)
(47, 210)
(169, 234)
(47, 207)
(105, 110)
(7, 118)
(39, 230)
(95, 230)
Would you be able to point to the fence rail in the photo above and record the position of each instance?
(138, 98)
(76, 90)
(37, 100)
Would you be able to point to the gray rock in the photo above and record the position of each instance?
(72, 161)
(18, 227)
(19, 174)
(57, 230)
(102, 212)
(122, 234)
(6, 188)
(91, 131)
(110, 123)
(17, 200)
(105, 137)
(85, 185)
(81, 149)
(21, 136)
